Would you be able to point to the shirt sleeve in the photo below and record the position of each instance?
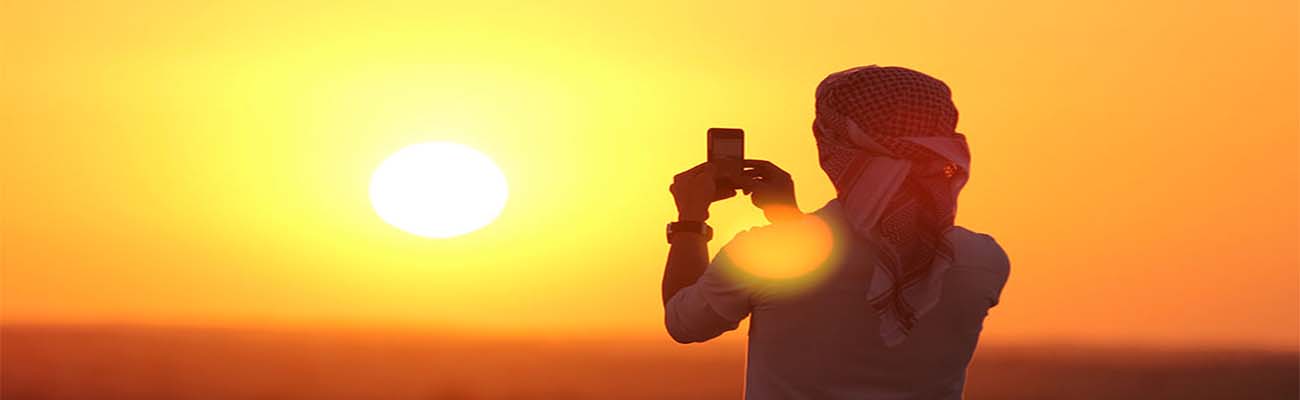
(986, 270)
(714, 304)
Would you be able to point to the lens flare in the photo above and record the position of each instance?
(786, 250)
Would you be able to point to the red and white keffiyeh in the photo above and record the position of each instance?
(887, 138)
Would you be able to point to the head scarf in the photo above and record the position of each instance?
(887, 138)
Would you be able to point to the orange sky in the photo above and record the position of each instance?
(204, 163)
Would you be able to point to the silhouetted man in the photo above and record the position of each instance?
(899, 310)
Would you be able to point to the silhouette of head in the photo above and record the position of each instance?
(886, 137)
(890, 112)
(884, 105)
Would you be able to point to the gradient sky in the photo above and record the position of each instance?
(208, 163)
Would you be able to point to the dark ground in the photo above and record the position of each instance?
(43, 362)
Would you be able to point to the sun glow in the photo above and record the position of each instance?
(438, 189)
(244, 136)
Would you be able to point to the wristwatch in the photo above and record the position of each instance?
(690, 226)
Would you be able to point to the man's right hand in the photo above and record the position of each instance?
(693, 191)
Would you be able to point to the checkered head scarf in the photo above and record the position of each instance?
(886, 137)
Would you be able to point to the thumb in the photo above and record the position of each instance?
(751, 186)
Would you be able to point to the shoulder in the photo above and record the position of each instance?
(977, 250)
(821, 223)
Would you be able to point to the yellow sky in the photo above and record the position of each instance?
(208, 162)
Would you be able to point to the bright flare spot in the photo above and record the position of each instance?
(438, 189)
(790, 249)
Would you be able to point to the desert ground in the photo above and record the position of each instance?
(138, 362)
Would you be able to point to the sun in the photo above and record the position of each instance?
(438, 189)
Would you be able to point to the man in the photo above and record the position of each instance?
(896, 314)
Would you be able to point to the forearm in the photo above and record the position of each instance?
(687, 259)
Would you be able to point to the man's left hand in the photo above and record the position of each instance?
(771, 190)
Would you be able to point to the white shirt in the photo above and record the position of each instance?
(823, 341)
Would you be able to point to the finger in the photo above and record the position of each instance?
(694, 170)
(751, 185)
(763, 173)
(751, 174)
(706, 171)
(723, 194)
(766, 168)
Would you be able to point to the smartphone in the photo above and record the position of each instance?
(727, 153)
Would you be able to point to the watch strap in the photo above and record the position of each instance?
(690, 226)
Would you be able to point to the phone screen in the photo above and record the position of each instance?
(727, 150)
